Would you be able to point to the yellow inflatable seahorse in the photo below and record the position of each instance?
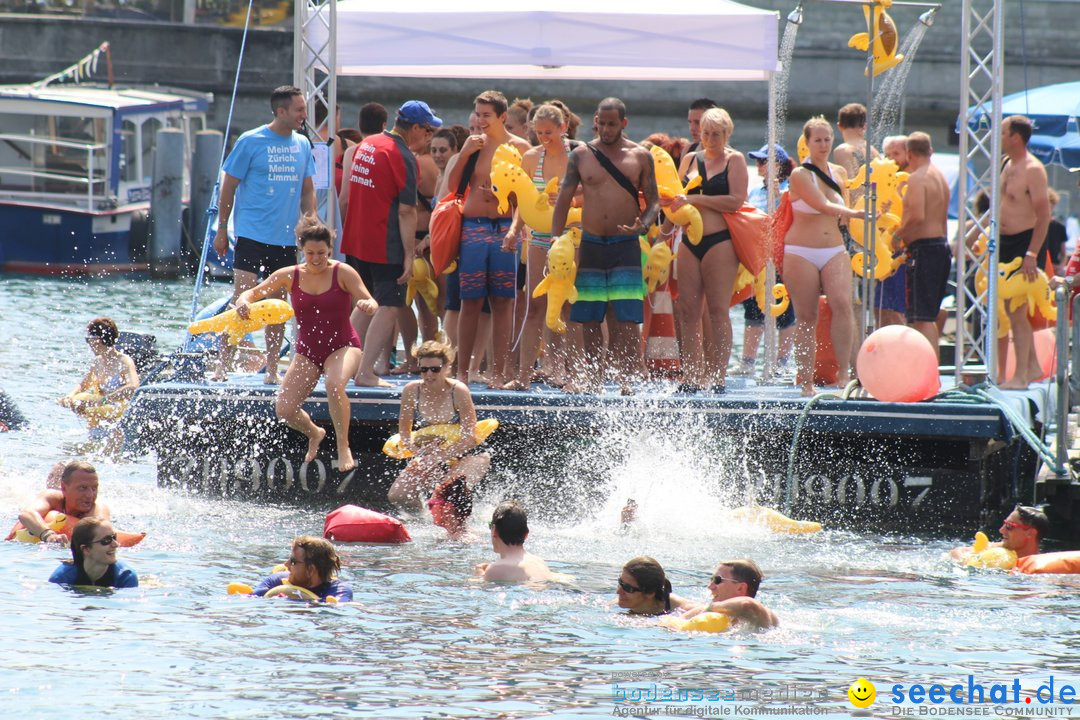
(558, 284)
(423, 284)
(534, 205)
(981, 284)
(886, 39)
(779, 296)
(260, 314)
(1017, 291)
(669, 185)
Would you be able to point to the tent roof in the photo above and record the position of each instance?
(557, 39)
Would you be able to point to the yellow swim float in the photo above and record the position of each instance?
(448, 433)
(706, 622)
(984, 556)
(775, 521)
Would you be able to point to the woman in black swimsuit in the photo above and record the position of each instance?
(436, 399)
(707, 270)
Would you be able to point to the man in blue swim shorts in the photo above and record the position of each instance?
(611, 171)
(486, 271)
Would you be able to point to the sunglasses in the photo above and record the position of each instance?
(106, 541)
(1014, 525)
(626, 587)
(92, 339)
(720, 580)
(430, 369)
(294, 561)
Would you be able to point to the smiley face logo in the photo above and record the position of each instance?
(862, 693)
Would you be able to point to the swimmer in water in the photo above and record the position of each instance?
(643, 589)
(509, 529)
(734, 586)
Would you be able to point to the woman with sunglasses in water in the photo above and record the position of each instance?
(644, 589)
(436, 399)
(94, 563)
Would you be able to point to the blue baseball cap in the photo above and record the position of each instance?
(417, 112)
(763, 154)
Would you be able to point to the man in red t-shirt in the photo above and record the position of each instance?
(378, 208)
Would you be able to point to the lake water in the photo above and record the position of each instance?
(423, 640)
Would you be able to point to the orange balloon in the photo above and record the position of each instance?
(1045, 353)
(898, 364)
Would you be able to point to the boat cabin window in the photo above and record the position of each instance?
(129, 152)
(53, 154)
(150, 129)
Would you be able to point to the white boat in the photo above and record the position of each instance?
(75, 173)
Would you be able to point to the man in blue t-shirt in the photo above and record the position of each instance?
(313, 565)
(268, 183)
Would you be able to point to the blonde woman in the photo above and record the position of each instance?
(545, 162)
(815, 259)
(707, 270)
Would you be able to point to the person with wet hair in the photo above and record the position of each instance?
(509, 530)
(734, 587)
(451, 506)
(643, 589)
(93, 558)
(314, 565)
(76, 496)
(1021, 531)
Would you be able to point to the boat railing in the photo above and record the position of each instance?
(88, 180)
(1067, 382)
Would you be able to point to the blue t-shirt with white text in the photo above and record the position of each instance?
(271, 169)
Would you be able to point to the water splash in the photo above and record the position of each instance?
(787, 51)
(886, 116)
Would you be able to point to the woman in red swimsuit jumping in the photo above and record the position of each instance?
(323, 293)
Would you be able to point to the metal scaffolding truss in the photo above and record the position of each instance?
(313, 65)
(982, 70)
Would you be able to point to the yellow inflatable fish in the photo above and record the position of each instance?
(260, 314)
(656, 269)
(421, 283)
(534, 205)
(890, 183)
(774, 520)
(448, 433)
(558, 284)
(1016, 291)
(886, 40)
(669, 185)
(984, 556)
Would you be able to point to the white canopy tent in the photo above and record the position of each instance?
(557, 39)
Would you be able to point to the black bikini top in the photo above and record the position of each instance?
(715, 185)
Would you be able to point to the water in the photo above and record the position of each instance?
(423, 639)
(887, 113)
(780, 81)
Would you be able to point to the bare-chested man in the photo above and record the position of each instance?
(693, 121)
(77, 497)
(485, 269)
(923, 234)
(609, 258)
(1024, 220)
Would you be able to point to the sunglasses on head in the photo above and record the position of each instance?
(626, 587)
(106, 541)
(430, 369)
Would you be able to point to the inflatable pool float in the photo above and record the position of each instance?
(984, 556)
(351, 523)
(63, 524)
(775, 521)
(706, 622)
(449, 433)
(260, 314)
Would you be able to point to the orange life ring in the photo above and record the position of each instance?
(351, 523)
(124, 539)
(1057, 563)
